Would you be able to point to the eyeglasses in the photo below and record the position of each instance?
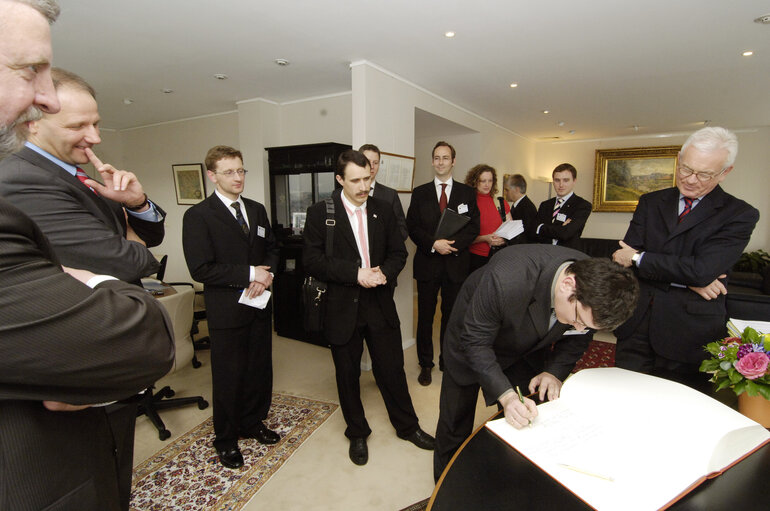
(231, 173)
(685, 171)
(578, 321)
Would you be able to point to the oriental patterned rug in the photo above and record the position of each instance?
(187, 474)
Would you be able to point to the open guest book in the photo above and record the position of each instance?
(622, 440)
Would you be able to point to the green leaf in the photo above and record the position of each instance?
(751, 335)
(764, 390)
(709, 365)
(734, 375)
(752, 388)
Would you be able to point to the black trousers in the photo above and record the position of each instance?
(384, 342)
(242, 378)
(457, 408)
(427, 297)
(635, 353)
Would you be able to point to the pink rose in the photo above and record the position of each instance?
(753, 365)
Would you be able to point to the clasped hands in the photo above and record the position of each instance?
(371, 277)
(493, 240)
(444, 247)
(519, 414)
(119, 185)
(262, 280)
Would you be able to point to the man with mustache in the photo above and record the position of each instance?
(68, 339)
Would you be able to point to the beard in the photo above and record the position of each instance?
(13, 136)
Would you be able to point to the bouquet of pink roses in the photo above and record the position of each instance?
(742, 363)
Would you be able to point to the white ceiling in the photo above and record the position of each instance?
(600, 66)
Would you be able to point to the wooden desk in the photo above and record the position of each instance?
(487, 473)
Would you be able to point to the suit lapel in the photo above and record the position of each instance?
(343, 227)
(374, 230)
(222, 212)
(703, 211)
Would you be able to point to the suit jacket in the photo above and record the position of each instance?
(219, 254)
(502, 314)
(340, 272)
(389, 195)
(576, 209)
(706, 244)
(422, 219)
(64, 341)
(525, 211)
(85, 230)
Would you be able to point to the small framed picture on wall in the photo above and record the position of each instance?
(189, 183)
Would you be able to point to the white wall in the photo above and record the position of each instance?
(746, 182)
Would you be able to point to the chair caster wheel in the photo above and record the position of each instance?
(163, 434)
(196, 364)
(203, 404)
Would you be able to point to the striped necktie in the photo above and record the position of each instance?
(687, 208)
(556, 208)
(239, 217)
(82, 176)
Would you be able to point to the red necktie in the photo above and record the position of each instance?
(82, 176)
(687, 208)
(443, 199)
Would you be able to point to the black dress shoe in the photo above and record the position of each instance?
(231, 458)
(262, 434)
(421, 439)
(359, 453)
(425, 378)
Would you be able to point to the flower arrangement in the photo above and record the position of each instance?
(741, 363)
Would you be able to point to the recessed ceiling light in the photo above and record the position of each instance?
(127, 101)
(765, 20)
(546, 111)
(168, 91)
(449, 34)
(221, 76)
(560, 123)
(571, 132)
(747, 53)
(514, 85)
(281, 62)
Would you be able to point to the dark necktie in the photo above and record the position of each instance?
(687, 208)
(82, 176)
(443, 199)
(239, 216)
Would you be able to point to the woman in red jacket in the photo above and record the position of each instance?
(483, 178)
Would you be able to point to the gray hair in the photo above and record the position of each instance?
(48, 8)
(516, 181)
(714, 139)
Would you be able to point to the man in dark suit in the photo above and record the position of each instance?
(382, 192)
(230, 247)
(104, 228)
(439, 264)
(68, 340)
(367, 256)
(523, 320)
(682, 241)
(522, 208)
(560, 220)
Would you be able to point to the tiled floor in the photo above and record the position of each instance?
(320, 476)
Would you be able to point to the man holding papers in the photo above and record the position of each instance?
(439, 263)
(523, 320)
(230, 247)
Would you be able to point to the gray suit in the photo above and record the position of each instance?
(85, 230)
(498, 337)
(66, 342)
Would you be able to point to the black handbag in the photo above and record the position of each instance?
(314, 290)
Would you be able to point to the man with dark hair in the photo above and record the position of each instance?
(90, 225)
(522, 208)
(560, 220)
(382, 192)
(681, 242)
(439, 264)
(229, 247)
(68, 339)
(368, 254)
(523, 320)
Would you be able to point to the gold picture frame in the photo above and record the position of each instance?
(396, 171)
(189, 183)
(622, 175)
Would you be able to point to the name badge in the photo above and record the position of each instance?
(575, 332)
(260, 231)
(462, 208)
(561, 217)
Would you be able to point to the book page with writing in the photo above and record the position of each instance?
(627, 441)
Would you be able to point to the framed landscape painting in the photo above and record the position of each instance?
(623, 175)
(189, 183)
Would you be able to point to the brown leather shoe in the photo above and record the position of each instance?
(425, 378)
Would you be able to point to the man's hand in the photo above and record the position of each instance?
(518, 414)
(82, 275)
(444, 247)
(119, 185)
(711, 291)
(371, 277)
(547, 383)
(255, 289)
(58, 406)
(623, 255)
(262, 275)
(494, 240)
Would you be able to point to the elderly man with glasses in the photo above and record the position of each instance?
(681, 243)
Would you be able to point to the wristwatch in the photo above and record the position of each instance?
(635, 258)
